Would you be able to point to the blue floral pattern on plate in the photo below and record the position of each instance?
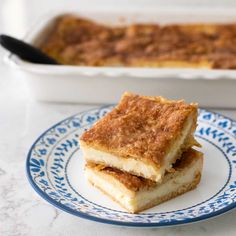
(51, 153)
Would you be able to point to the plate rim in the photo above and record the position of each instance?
(114, 222)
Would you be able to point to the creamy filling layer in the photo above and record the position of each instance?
(185, 177)
(112, 187)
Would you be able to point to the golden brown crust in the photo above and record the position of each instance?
(79, 41)
(141, 127)
(135, 183)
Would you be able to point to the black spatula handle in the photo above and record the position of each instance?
(25, 51)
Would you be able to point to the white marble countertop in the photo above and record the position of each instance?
(22, 211)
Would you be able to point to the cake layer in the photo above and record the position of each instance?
(136, 193)
(142, 135)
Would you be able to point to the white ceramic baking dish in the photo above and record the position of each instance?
(211, 88)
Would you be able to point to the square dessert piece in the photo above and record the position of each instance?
(142, 135)
(136, 194)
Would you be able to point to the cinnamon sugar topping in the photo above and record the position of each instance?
(78, 41)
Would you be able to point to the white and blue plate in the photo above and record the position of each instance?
(55, 170)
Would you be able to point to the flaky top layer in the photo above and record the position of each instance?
(140, 127)
(135, 183)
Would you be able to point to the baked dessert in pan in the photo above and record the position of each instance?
(136, 194)
(142, 135)
(79, 41)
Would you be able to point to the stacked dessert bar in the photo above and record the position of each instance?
(140, 154)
